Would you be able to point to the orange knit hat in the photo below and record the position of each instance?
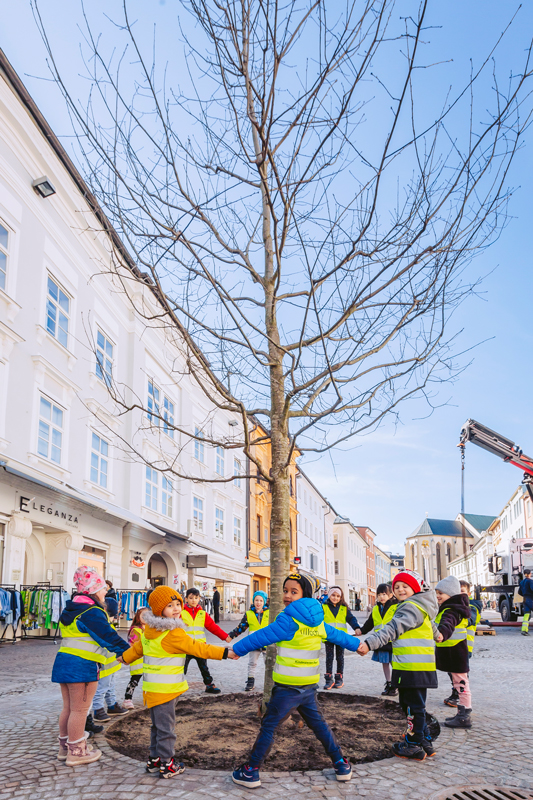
(161, 597)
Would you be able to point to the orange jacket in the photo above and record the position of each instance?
(176, 642)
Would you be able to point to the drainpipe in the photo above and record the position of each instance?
(325, 540)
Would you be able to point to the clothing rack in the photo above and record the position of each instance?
(10, 587)
(45, 585)
(127, 608)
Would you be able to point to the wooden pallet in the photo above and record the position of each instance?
(486, 633)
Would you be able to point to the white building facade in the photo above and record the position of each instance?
(350, 563)
(382, 566)
(314, 527)
(73, 486)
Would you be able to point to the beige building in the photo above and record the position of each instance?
(350, 570)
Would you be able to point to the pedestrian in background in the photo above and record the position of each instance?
(216, 605)
(526, 590)
(86, 634)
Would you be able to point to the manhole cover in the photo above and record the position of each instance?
(482, 792)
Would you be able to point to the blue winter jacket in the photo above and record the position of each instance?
(73, 669)
(307, 611)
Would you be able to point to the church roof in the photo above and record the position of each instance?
(481, 522)
(441, 527)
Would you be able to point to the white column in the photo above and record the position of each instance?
(74, 544)
(18, 530)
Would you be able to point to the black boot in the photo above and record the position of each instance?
(427, 747)
(328, 680)
(91, 727)
(339, 682)
(411, 750)
(250, 683)
(453, 699)
(461, 720)
(212, 689)
(386, 690)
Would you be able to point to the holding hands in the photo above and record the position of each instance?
(229, 639)
(439, 637)
(232, 655)
(363, 649)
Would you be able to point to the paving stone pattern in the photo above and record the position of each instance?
(497, 750)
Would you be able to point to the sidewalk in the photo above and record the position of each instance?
(495, 751)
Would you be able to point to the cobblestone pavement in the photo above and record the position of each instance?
(497, 750)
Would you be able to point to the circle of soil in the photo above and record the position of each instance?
(218, 732)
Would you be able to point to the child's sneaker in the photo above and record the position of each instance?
(100, 715)
(128, 704)
(90, 727)
(169, 769)
(412, 750)
(245, 775)
(153, 764)
(212, 689)
(250, 683)
(116, 710)
(328, 680)
(343, 770)
(427, 746)
(339, 683)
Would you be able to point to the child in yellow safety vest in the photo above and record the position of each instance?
(196, 622)
(338, 615)
(298, 632)
(163, 647)
(136, 667)
(105, 690)
(257, 617)
(412, 632)
(452, 646)
(382, 613)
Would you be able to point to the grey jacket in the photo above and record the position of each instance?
(406, 617)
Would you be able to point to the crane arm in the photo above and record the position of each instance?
(498, 445)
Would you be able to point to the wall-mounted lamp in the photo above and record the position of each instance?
(43, 186)
(233, 423)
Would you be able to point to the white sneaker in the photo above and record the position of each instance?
(128, 704)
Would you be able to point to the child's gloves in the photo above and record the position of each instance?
(363, 649)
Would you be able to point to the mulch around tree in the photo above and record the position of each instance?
(218, 732)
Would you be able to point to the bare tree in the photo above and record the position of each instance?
(303, 206)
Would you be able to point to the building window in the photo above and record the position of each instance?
(166, 496)
(219, 461)
(265, 535)
(291, 492)
(237, 470)
(199, 447)
(168, 417)
(99, 460)
(336, 567)
(237, 531)
(57, 312)
(336, 541)
(259, 527)
(50, 431)
(256, 586)
(291, 543)
(439, 563)
(314, 562)
(4, 243)
(198, 513)
(219, 523)
(104, 358)
(449, 552)
(151, 488)
(153, 403)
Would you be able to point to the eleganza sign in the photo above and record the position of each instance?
(48, 512)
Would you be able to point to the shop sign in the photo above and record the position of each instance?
(176, 580)
(230, 576)
(42, 510)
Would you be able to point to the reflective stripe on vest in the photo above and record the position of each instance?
(195, 628)
(297, 660)
(459, 634)
(136, 667)
(111, 664)
(414, 651)
(471, 629)
(253, 622)
(162, 672)
(76, 643)
(339, 621)
(380, 621)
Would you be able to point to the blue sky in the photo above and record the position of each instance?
(390, 479)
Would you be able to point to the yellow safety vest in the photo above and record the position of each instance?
(195, 628)
(471, 629)
(459, 634)
(380, 621)
(76, 643)
(339, 621)
(414, 651)
(253, 622)
(111, 664)
(162, 672)
(297, 661)
(136, 667)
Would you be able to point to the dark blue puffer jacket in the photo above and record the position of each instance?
(308, 612)
(74, 669)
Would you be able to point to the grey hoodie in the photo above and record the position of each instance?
(406, 617)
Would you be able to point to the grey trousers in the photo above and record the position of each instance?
(253, 658)
(163, 730)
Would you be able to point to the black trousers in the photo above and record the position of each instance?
(413, 703)
(132, 685)
(202, 666)
(339, 652)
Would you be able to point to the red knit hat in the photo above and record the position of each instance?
(412, 579)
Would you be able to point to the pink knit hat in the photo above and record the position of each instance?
(88, 581)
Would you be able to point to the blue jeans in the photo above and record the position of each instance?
(105, 691)
(284, 700)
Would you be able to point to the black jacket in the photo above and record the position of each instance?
(369, 624)
(455, 658)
